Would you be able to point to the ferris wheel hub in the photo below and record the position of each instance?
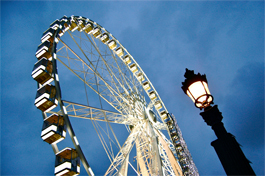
(150, 115)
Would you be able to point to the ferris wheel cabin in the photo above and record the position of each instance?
(96, 32)
(127, 59)
(42, 71)
(48, 35)
(73, 26)
(44, 50)
(158, 105)
(46, 99)
(53, 129)
(81, 25)
(119, 51)
(152, 95)
(55, 25)
(104, 37)
(112, 44)
(140, 76)
(88, 28)
(67, 163)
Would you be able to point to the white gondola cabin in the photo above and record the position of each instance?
(48, 35)
(64, 18)
(133, 68)
(140, 76)
(163, 114)
(119, 51)
(55, 25)
(112, 44)
(65, 24)
(96, 32)
(104, 37)
(89, 27)
(146, 86)
(53, 129)
(42, 71)
(73, 25)
(158, 105)
(152, 95)
(127, 59)
(44, 50)
(46, 99)
(67, 163)
(81, 24)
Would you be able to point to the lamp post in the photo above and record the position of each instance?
(227, 148)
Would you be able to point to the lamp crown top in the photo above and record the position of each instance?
(189, 73)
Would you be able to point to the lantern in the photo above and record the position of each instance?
(196, 87)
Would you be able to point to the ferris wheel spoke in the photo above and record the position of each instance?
(118, 163)
(96, 114)
(117, 100)
(106, 145)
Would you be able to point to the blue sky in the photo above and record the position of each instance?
(224, 40)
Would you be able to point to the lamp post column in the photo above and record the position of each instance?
(227, 148)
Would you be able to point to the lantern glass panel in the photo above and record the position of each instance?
(197, 89)
(189, 94)
(206, 87)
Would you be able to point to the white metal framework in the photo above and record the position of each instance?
(98, 59)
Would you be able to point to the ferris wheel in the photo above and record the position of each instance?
(108, 70)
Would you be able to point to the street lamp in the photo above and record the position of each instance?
(227, 148)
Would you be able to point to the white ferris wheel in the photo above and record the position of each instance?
(106, 68)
